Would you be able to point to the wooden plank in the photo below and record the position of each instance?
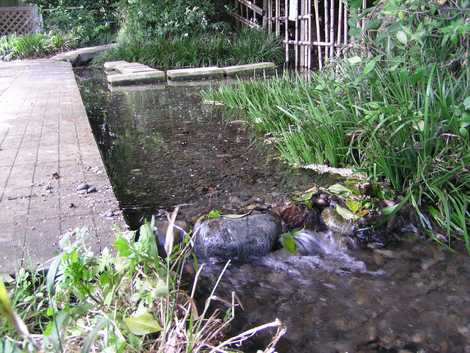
(245, 21)
(252, 6)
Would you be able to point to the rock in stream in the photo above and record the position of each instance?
(242, 238)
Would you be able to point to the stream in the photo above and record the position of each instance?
(163, 147)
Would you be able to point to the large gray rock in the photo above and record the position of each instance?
(242, 238)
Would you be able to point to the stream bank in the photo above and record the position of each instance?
(163, 148)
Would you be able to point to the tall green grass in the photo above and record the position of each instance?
(404, 126)
(197, 50)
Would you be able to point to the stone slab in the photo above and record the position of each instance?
(82, 56)
(136, 78)
(195, 73)
(131, 69)
(249, 69)
(111, 65)
(47, 149)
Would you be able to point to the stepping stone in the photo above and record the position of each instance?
(111, 65)
(136, 78)
(195, 73)
(82, 56)
(130, 69)
(249, 69)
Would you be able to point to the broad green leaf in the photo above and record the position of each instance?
(146, 241)
(353, 205)
(346, 214)
(288, 243)
(214, 214)
(402, 37)
(122, 247)
(5, 304)
(466, 103)
(370, 66)
(339, 189)
(142, 324)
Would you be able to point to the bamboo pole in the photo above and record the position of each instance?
(265, 13)
(345, 22)
(286, 25)
(310, 34)
(317, 26)
(278, 14)
(326, 27)
(340, 20)
(270, 16)
(332, 29)
(296, 47)
(300, 14)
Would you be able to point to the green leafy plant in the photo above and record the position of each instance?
(288, 242)
(133, 300)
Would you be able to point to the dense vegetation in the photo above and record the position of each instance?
(161, 33)
(201, 49)
(133, 301)
(398, 109)
(184, 33)
(68, 24)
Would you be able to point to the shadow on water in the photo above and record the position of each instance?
(162, 147)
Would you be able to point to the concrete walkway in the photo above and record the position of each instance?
(47, 149)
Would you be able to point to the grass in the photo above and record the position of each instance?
(406, 127)
(129, 300)
(210, 49)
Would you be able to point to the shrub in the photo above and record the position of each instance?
(146, 20)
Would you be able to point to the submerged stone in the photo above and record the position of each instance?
(242, 238)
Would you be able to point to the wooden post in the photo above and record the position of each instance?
(332, 29)
(286, 25)
(317, 26)
(265, 14)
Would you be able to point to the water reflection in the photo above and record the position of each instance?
(163, 147)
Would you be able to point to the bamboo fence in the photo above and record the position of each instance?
(314, 32)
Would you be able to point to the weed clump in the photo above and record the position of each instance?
(129, 300)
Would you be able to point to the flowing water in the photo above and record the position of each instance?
(162, 147)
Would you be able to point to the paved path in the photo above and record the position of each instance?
(47, 149)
